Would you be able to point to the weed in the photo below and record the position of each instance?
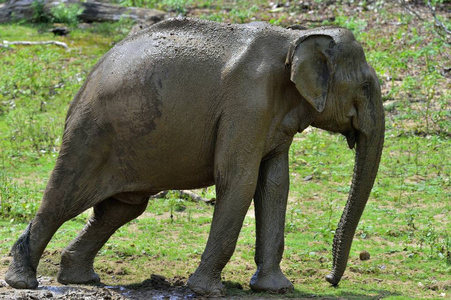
(175, 205)
(351, 23)
(39, 15)
(66, 13)
(294, 215)
(180, 7)
(60, 13)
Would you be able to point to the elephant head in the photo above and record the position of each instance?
(330, 71)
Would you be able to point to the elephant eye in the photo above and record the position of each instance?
(366, 89)
(366, 85)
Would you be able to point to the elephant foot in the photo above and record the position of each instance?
(21, 277)
(76, 270)
(75, 276)
(21, 274)
(206, 286)
(271, 281)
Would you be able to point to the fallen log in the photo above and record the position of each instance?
(185, 194)
(100, 12)
(6, 44)
(93, 11)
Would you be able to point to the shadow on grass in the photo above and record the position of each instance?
(159, 287)
(234, 292)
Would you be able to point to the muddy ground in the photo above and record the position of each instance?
(157, 287)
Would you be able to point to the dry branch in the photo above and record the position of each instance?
(439, 24)
(99, 12)
(441, 28)
(27, 43)
(187, 195)
(407, 7)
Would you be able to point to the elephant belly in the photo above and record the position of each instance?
(164, 145)
(164, 164)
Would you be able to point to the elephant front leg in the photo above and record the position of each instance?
(228, 217)
(236, 179)
(270, 207)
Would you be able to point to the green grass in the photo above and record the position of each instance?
(406, 226)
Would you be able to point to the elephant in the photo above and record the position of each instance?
(190, 103)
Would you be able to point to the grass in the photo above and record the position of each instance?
(406, 226)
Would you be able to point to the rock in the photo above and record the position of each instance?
(308, 178)
(60, 31)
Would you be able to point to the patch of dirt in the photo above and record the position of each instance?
(156, 287)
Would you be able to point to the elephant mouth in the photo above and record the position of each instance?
(351, 136)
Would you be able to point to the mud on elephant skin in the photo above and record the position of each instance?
(187, 104)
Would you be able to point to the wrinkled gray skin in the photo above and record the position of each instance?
(187, 104)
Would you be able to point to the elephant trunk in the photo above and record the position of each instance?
(367, 158)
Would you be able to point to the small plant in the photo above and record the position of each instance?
(439, 243)
(278, 21)
(60, 13)
(356, 25)
(175, 204)
(445, 250)
(177, 6)
(135, 3)
(295, 214)
(67, 14)
(39, 14)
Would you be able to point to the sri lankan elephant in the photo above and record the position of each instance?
(186, 104)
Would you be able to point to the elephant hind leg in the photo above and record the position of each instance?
(21, 275)
(28, 249)
(78, 182)
(78, 258)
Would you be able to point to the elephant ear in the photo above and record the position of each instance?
(311, 68)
